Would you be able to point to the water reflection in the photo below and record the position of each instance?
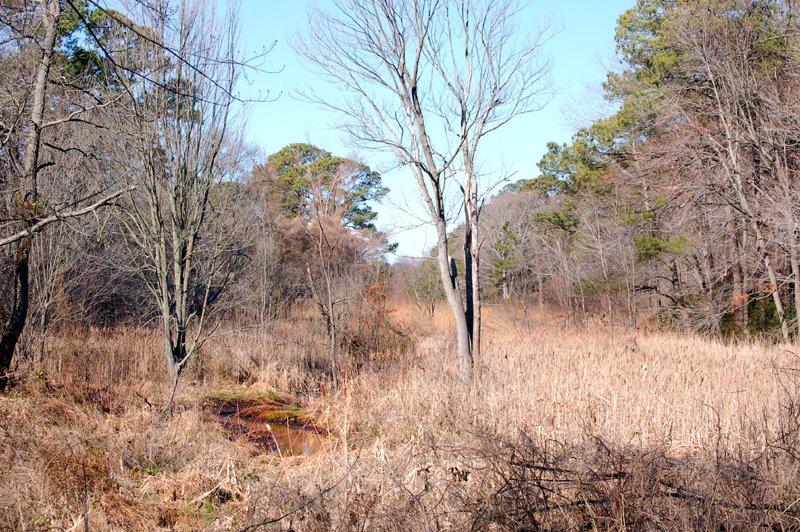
(284, 438)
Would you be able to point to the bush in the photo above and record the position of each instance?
(371, 334)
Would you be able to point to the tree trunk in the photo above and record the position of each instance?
(449, 275)
(540, 294)
(773, 279)
(332, 329)
(472, 296)
(169, 344)
(739, 295)
(476, 285)
(472, 259)
(27, 202)
(796, 282)
(326, 308)
(19, 313)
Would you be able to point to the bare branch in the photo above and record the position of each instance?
(62, 215)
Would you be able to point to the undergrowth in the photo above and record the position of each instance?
(585, 430)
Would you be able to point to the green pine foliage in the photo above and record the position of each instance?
(298, 171)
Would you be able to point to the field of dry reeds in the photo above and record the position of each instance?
(563, 429)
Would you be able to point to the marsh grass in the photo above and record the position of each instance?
(563, 429)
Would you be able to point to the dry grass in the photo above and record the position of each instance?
(563, 429)
(687, 392)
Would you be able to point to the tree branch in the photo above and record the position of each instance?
(58, 216)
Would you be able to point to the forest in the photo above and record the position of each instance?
(199, 335)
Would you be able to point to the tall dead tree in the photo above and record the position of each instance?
(25, 208)
(427, 80)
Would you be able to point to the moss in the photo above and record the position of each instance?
(153, 469)
(279, 397)
(41, 521)
(209, 512)
(240, 394)
(270, 406)
(282, 415)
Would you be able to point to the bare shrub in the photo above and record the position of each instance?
(372, 335)
(77, 473)
(542, 485)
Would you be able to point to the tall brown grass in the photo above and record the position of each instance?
(562, 429)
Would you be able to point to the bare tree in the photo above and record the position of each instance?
(427, 80)
(42, 96)
(182, 154)
(327, 197)
(420, 281)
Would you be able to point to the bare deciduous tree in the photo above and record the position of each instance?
(427, 81)
(42, 96)
(182, 153)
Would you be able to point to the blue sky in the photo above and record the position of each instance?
(581, 52)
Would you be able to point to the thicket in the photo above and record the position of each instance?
(682, 205)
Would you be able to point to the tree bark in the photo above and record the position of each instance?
(472, 296)
(796, 282)
(19, 313)
(449, 275)
(738, 296)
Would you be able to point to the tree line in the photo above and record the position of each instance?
(129, 196)
(683, 204)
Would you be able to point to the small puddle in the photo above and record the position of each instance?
(272, 423)
(283, 439)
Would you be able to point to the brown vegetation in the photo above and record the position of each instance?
(563, 430)
(141, 241)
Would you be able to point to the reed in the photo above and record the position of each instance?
(406, 444)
